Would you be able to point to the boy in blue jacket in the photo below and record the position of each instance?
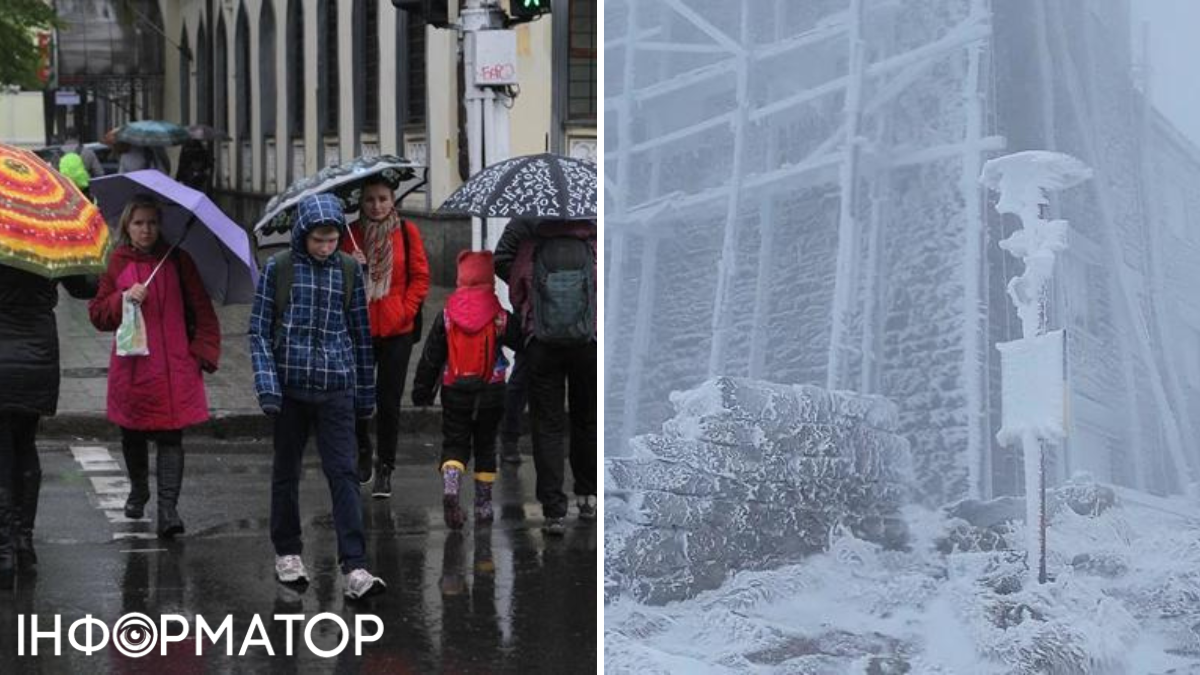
(310, 346)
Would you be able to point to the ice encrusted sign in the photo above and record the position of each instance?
(1033, 388)
(749, 475)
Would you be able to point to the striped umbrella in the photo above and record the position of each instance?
(47, 226)
(152, 133)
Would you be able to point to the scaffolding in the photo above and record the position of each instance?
(734, 125)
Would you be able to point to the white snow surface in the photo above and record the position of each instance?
(1132, 605)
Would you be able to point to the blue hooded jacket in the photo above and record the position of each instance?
(320, 350)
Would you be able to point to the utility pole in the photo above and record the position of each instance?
(489, 52)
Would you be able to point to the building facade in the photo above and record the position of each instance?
(302, 84)
(826, 224)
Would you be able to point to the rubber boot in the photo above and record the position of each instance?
(30, 486)
(483, 502)
(170, 481)
(8, 548)
(451, 512)
(137, 464)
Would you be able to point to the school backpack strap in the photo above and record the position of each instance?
(418, 318)
(349, 267)
(283, 289)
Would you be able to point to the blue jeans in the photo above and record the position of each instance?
(333, 416)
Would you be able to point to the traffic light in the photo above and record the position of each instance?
(435, 12)
(528, 10)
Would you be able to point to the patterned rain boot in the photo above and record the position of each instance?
(483, 502)
(451, 481)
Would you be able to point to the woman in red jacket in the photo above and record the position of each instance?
(154, 397)
(397, 272)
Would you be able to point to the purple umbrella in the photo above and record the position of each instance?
(219, 246)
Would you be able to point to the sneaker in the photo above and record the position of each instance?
(587, 507)
(555, 526)
(383, 482)
(289, 569)
(362, 584)
(366, 467)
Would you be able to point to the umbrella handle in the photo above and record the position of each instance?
(186, 230)
(352, 239)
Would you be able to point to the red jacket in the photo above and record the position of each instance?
(393, 314)
(165, 389)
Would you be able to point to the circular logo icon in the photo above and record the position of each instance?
(135, 635)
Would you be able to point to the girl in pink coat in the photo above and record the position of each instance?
(153, 397)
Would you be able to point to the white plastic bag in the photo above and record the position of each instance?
(131, 334)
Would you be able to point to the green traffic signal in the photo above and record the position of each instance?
(529, 9)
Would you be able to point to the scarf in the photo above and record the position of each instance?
(377, 246)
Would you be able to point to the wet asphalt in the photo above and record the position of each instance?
(499, 598)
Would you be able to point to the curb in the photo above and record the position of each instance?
(223, 425)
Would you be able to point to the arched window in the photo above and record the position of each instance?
(185, 78)
(414, 52)
(242, 74)
(221, 78)
(266, 69)
(295, 61)
(366, 65)
(327, 66)
(204, 81)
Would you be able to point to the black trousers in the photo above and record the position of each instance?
(468, 432)
(516, 395)
(391, 370)
(562, 384)
(18, 450)
(330, 419)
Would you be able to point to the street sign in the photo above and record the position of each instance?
(495, 58)
(1033, 388)
(66, 97)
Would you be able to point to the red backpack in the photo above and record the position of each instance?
(473, 359)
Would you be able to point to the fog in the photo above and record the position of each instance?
(890, 284)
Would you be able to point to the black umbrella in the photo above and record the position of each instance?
(545, 186)
(343, 180)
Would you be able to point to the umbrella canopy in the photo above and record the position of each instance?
(545, 186)
(219, 246)
(343, 180)
(203, 132)
(153, 133)
(47, 226)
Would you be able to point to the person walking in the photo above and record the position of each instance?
(156, 396)
(393, 255)
(29, 379)
(310, 347)
(464, 355)
(550, 267)
(195, 166)
(91, 162)
(516, 396)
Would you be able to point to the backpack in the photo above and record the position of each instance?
(564, 291)
(472, 359)
(283, 286)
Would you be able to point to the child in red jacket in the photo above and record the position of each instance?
(463, 354)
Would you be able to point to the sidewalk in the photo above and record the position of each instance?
(235, 412)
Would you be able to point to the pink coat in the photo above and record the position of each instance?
(165, 389)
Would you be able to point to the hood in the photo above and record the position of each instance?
(472, 308)
(475, 269)
(311, 212)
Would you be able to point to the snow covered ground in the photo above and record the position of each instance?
(1124, 598)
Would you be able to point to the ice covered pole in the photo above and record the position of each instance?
(1024, 180)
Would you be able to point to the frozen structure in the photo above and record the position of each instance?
(750, 476)
(793, 196)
